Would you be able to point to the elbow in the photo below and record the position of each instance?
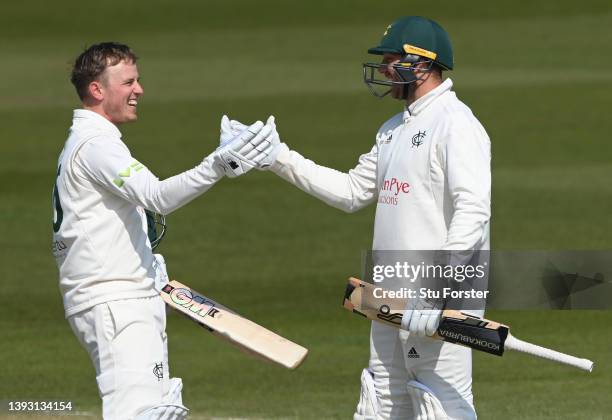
(346, 206)
(159, 209)
(360, 196)
(165, 211)
(166, 208)
(160, 206)
(476, 209)
(355, 203)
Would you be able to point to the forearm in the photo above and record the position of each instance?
(469, 227)
(172, 193)
(348, 192)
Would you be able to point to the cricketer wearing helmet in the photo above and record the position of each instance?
(440, 155)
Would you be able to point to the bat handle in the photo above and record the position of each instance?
(513, 343)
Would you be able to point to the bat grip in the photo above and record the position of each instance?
(513, 343)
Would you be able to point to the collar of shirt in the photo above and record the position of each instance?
(85, 116)
(424, 101)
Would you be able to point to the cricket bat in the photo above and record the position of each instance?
(224, 323)
(455, 327)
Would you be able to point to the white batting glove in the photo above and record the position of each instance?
(161, 274)
(276, 147)
(236, 126)
(243, 152)
(229, 130)
(422, 316)
(273, 141)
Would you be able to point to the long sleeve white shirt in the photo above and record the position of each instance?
(429, 172)
(100, 238)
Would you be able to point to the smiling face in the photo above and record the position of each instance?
(117, 92)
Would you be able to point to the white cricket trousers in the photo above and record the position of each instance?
(397, 357)
(127, 343)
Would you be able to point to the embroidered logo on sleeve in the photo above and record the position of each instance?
(135, 166)
(385, 138)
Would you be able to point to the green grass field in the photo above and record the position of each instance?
(535, 73)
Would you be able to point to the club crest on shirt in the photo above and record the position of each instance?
(158, 371)
(418, 138)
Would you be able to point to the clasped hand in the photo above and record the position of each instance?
(242, 148)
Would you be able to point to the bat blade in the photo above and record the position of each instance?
(233, 328)
(455, 327)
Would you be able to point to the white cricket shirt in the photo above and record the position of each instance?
(100, 238)
(429, 172)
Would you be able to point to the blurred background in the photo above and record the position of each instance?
(536, 74)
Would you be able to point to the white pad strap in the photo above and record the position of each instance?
(164, 412)
(425, 405)
(367, 409)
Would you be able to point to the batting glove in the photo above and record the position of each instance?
(243, 152)
(422, 316)
(276, 147)
(229, 130)
(161, 273)
(273, 141)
